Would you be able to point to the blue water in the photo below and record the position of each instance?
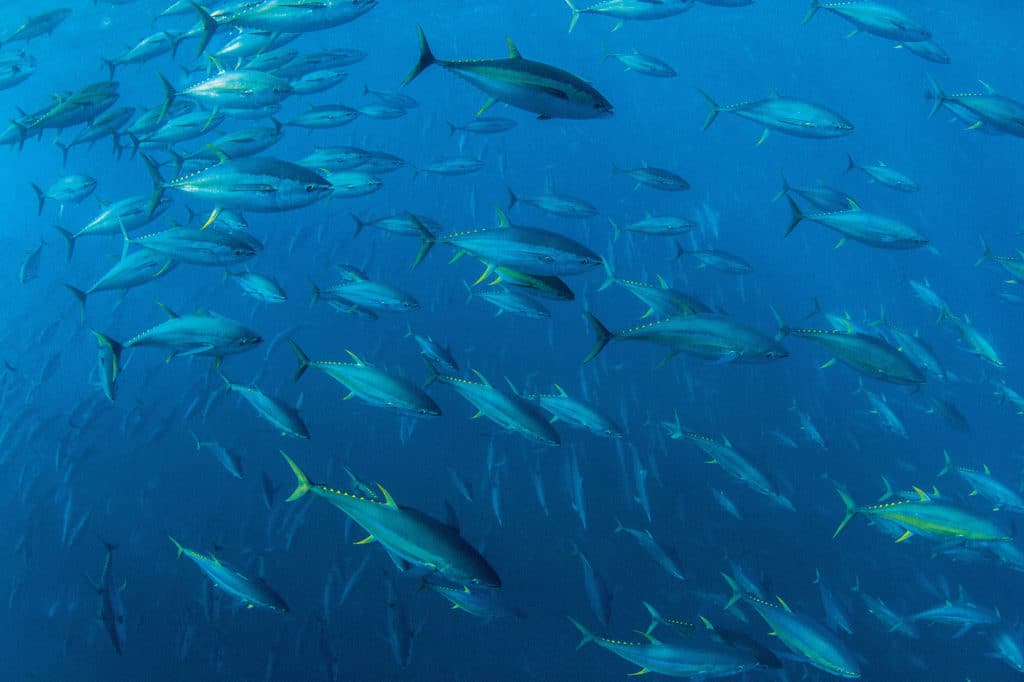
(131, 465)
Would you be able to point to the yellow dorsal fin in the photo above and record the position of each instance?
(854, 206)
(513, 51)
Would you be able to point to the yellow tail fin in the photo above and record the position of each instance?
(302, 485)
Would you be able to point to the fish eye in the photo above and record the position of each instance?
(310, 188)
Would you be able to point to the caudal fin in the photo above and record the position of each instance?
(302, 484)
(79, 296)
(851, 164)
(40, 198)
(947, 463)
(70, 239)
(588, 636)
(572, 21)
(209, 28)
(784, 191)
(986, 253)
(796, 215)
(426, 57)
(935, 93)
(301, 358)
(851, 511)
(602, 334)
(427, 241)
(737, 593)
(713, 109)
(815, 6)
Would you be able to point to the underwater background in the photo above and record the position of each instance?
(80, 469)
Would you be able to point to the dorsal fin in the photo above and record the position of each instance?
(854, 206)
(451, 519)
(170, 313)
(503, 220)
(772, 92)
(221, 156)
(513, 51)
(662, 282)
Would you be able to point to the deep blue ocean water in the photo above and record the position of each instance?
(130, 466)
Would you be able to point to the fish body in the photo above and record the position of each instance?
(367, 294)
(869, 355)
(371, 385)
(661, 300)
(109, 360)
(133, 269)
(69, 188)
(658, 178)
(112, 608)
(576, 413)
(252, 593)
(260, 287)
(723, 261)
(230, 460)
(703, 660)
(656, 226)
(299, 16)
(282, 416)
(989, 111)
(706, 335)
(510, 412)
(199, 333)
(540, 88)
(629, 10)
(926, 517)
(650, 545)
(883, 175)
(529, 250)
(646, 64)
(875, 18)
(730, 459)
(213, 246)
(480, 602)
(512, 302)
(788, 115)
(983, 483)
(820, 196)
(409, 536)
(239, 89)
(803, 635)
(974, 341)
(556, 204)
(253, 183)
(868, 228)
(38, 25)
(484, 125)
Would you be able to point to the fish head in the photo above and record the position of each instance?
(842, 125)
(604, 108)
(248, 339)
